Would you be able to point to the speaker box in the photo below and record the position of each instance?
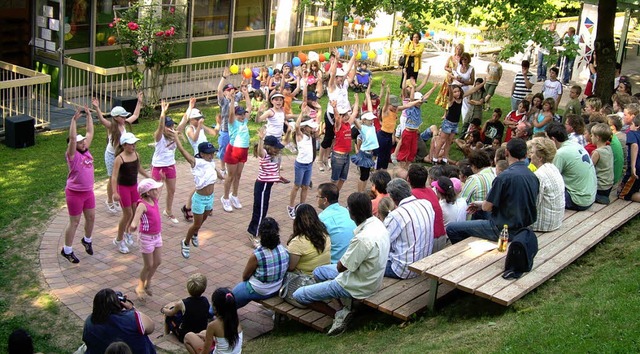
(127, 102)
(20, 131)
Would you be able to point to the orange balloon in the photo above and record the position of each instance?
(247, 73)
(111, 40)
(302, 56)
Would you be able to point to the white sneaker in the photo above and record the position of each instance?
(111, 209)
(291, 211)
(194, 241)
(117, 206)
(340, 321)
(128, 238)
(122, 247)
(223, 173)
(170, 217)
(226, 204)
(235, 201)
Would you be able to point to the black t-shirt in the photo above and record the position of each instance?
(493, 130)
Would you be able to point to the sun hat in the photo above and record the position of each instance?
(195, 114)
(128, 138)
(228, 87)
(394, 101)
(119, 111)
(311, 96)
(79, 138)
(148, 184)
(270, 140)
(343, 109)
(276, 95)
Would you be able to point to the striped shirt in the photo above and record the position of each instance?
(268, 171)
(520, 90)
(550, 203)
(410, 228)
(477, 186)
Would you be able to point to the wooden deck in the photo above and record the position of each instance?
(480, 273)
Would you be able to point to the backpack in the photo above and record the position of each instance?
(522, 249)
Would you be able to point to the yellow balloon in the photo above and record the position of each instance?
(358, 55)
(372, 54)
(234, 69)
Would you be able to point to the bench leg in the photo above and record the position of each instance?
(277, 319)
(433, 293)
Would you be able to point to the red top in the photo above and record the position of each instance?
(429, 195)
(343, 139)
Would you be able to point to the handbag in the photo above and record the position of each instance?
(401, 61)
(292, 281)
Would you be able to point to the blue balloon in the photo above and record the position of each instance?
(270, 71)
(341, 52)
(431, 33)
(364, 55)
(350, 53)
(296, 61)
(255, 72)
(379, 51)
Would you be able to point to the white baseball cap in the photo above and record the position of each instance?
(309, 123)
(417, 96)
(128, 138)
(195, 114)
(340, 72)
(79, 138)
(343, 109)
(119, 111)
(368, 116)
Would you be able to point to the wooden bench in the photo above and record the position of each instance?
(398, 298)
(480, 273)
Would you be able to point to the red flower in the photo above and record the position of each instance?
(172, 9)
(136, 52)
(133, 26)
(111, 25)
(159, 33)
(145, 49)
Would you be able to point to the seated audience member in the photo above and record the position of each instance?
(417, 178)
(379, 180)
(618, 146)
(358, 274)
(336, 219)
(493, 129)
(20, 342)
(511, 200)
(630, 182)
(590, 147)
(477, 186)
(550, 203)
(575, 127)
(471, 142)
(454, 209)
(262, 276)
(385, 206)
(114, 319)
(576, 168)
(592, 104)
(630, 112)
(602, 158)
(309, 245)
(410, 226)
(502, 165)
(189, 314)
(574, 106)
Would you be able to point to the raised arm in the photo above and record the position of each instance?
(354, 111)
(332, 70)
(474, 89)
(90, 131)
(164, 106)
(225, 74)
(351, 63)
(384, 96)
(367, 97)
(73, 132)
(136, 112)
(103, 120)
(428, 94)
(185, 117)
(187, 156)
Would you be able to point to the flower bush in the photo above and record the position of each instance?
(147, 35)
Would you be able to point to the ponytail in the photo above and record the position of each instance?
(224, 303)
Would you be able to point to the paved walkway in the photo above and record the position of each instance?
(222, 255)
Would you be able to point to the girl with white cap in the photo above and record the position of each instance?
(150, 237)
(115, 128)
(303, 165)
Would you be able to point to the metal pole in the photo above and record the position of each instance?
(623, 35)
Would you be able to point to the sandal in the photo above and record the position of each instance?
(284, 180)
(186, 213)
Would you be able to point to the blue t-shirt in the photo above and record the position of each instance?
(514, 194)
(125, 326)
(414, 118)
(369, 137)
(340, 227)
(633, 137)
(239, 133)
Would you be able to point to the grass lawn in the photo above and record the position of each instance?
(591, 306)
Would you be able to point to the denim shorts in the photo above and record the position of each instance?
(326, 289)
(339, 166)
(427, 134)
(449, 127)
(223, 141)
(201, 203)
(302, 173)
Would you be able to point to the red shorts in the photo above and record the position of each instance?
(168, 172)
(235, 155)
(77, 202)
(128, 195)
(409, 147)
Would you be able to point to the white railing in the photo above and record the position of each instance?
(194, 77)
(24, 91)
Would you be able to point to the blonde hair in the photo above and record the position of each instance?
(196, 284)
(594, 102)
(602, 131)
(544, 148)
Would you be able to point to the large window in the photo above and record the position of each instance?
(211, 18)
(250, 15)
(77, 28)
(106, 35)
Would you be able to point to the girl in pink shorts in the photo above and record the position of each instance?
(163, 163)
(125, 186)
(148, 219)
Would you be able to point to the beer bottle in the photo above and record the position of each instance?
(504, 239)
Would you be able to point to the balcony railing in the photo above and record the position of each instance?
(24, 91)
(194, 77)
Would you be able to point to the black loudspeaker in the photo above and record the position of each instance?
(127, 102)
(20, 131)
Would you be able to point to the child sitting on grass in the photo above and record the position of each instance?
(189, 314)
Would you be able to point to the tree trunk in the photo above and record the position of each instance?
(605, 50)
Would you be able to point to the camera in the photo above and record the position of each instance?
(121, 296)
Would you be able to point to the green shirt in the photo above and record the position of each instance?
(477, 186)
(577, 170)
(618, 158)
(573, 107)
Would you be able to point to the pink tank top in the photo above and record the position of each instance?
(80, 178)
(150, 221)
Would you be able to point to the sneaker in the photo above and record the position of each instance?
(329, 163)
(340, 322)
(223, 173)
(122, 246)
(321, 166)
(70, 257)
(111, 209)
(128, 238)
(194, 241)
(226, 204)
(291, 211)
(254, 240)
(184, 249)
(170, 217)
(88, 247)
(235, 201)
(117, 206)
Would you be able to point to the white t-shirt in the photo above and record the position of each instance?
(552, 89)
(454, 212)
(204, 173)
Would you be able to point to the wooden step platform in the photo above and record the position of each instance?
(480, 273)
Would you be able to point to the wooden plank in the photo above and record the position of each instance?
(390, 291)
(436, 258)
(464, 259)
(419, 303)
(323, 323)
(419, 288)
(271, 302)
(475, 266)
(296, 313)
